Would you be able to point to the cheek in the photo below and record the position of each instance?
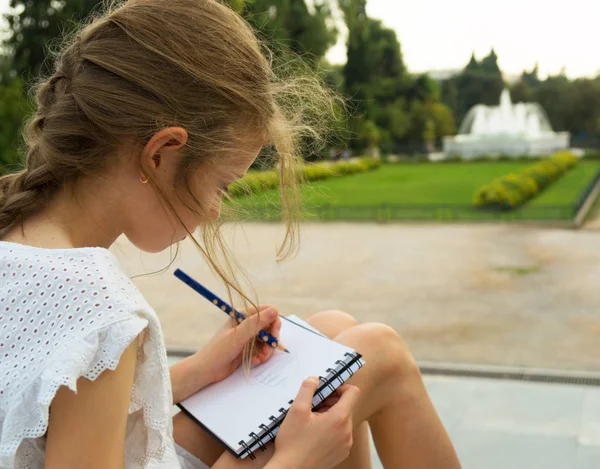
(205, 207)
(215, 209)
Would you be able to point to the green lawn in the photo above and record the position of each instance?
(567, 189)
(427, 184)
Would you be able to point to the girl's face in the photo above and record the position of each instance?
(153, 228)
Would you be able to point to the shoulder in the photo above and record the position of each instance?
(86, 284)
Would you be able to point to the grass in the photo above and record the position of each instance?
(518, 270)
(423, 184)
(567, 189)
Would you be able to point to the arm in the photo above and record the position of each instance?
(87, 429)
(188, 376)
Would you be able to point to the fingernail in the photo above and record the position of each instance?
(271, 313)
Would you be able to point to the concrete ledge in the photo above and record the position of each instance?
(587, 206)
(539, 375)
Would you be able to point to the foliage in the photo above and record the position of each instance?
(480, 82)
(35, 25)
(391, 107)
(14, 108)
(306, 31)
(260, 181)
(512, 190)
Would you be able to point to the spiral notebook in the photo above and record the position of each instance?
(245, 413)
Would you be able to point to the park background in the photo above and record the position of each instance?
(493, 299)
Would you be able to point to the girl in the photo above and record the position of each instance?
(152, 111)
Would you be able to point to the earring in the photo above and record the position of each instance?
(143, 181)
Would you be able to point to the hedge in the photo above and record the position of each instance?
(259, 181)
(512, 190)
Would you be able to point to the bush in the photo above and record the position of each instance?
(512, 190)
(260, 181)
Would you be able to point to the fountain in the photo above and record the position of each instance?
(507, 129)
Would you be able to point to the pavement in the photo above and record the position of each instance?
(501, 424)
(505, 424)
(503, 295)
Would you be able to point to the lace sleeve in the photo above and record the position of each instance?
(86, 356)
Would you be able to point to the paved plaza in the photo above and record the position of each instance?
(486, 294)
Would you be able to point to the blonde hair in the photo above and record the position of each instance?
(143, 65)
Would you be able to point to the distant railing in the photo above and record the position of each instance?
(418, 212)
(384, 213)
(585, 193)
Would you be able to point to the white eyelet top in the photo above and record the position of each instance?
(66, 314)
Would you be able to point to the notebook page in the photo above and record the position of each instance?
(236, 406)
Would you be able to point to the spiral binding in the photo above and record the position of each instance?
(268, 431)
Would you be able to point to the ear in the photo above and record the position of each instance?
(165, 143)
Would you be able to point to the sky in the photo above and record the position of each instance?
(442, 34)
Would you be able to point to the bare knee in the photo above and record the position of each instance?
(382, 344)
(332, 322)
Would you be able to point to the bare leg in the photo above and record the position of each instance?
(190, 436)
(406, 428)
(332, 324)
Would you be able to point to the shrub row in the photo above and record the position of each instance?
(512, 190)
(259, 181)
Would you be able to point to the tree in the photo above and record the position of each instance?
(478, 83)
(307, 32)
(375, 78)
(373, 55)
(14, 109)
(36, 26)
(441, 116)
(521, 92)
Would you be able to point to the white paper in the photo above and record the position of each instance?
(237, 406)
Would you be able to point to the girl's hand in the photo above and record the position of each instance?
(316, 440)
(223, 354)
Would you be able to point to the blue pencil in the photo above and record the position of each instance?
(226, 308)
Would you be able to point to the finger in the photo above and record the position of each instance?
(262, 352)
(251, 311)
(347, 401)
(250, 327)
(304, 398)
(275, 328)
(230, 323)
